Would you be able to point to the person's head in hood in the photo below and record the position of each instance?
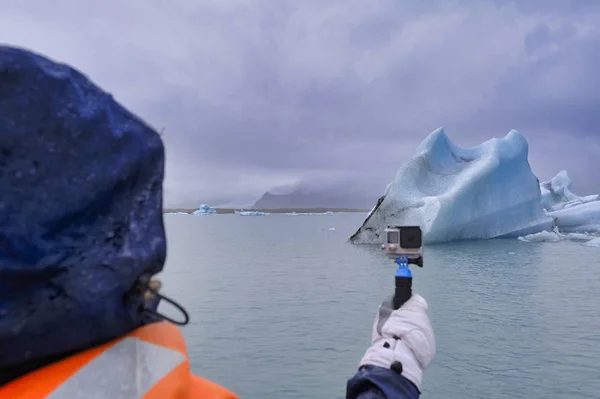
(80, 210)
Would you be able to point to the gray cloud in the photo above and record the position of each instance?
(261, 93)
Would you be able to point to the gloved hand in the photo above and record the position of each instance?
(403, 339)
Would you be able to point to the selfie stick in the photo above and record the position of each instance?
(404, 279)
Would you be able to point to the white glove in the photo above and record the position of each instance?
(405, 336)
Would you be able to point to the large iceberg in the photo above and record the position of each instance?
(454, 193)
(205, 209)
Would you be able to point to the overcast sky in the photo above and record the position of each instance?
(259, 93)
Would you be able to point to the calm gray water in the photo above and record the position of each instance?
(282, 307)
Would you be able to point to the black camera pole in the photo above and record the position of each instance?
(403, 279)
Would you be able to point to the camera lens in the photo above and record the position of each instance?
(393, 237)
(411, 237)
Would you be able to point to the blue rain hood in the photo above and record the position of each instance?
(80, 210)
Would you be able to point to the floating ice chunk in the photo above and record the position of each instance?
(593, 243)
(556, 190)
(205, 210)
(251, 213)
(308, 213)
(555, 236)
(571, 212)
(556, 193)
(542, 236)
(584, 218)
(577, 236)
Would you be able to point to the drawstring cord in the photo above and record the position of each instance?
(150, 289)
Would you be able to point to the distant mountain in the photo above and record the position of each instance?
(244, 202)
(303, 199)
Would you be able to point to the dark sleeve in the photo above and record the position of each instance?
(372, 382)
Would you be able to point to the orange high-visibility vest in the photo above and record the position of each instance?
(149, 363)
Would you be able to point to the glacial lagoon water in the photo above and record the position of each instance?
(282, 307)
